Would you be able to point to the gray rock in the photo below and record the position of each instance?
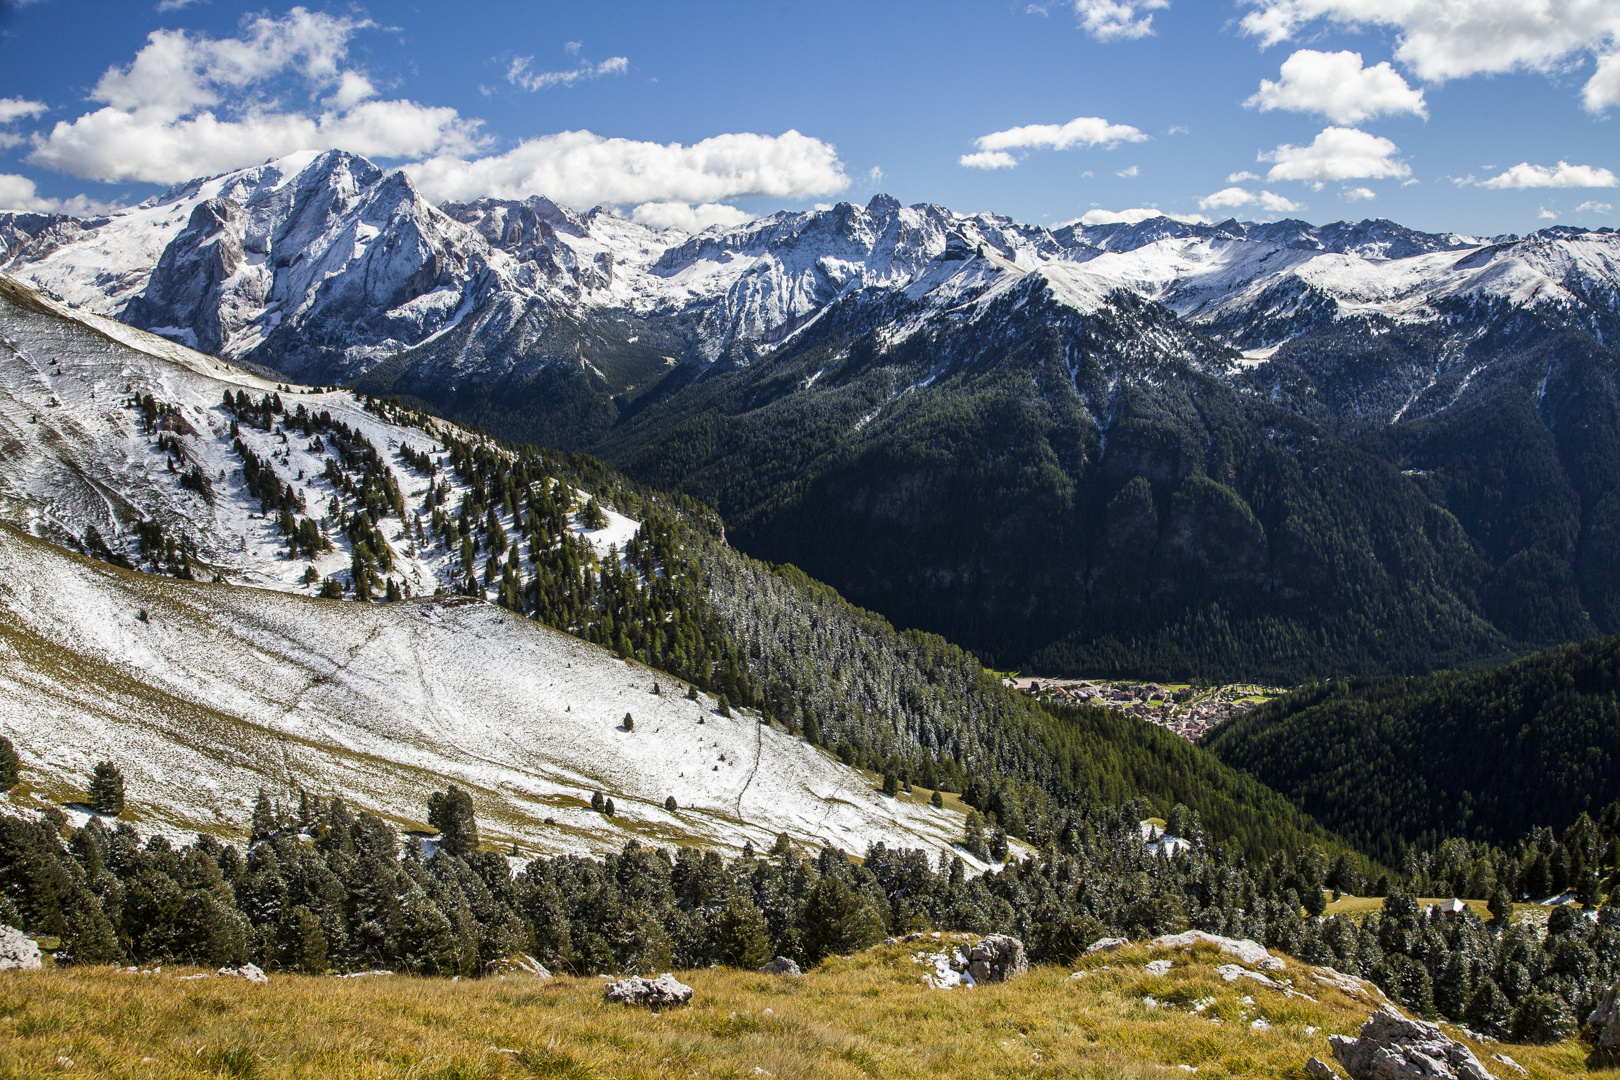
(1393, 1047)
(1605, 1019)
(1107, 944)
(1158, 968)
(997, 958)
(781, 966)
(1320, 1069)
(1248, 952)
(18, 952)
(249, 972)
(661, 992)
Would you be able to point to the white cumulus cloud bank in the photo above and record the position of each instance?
(1594, 207)
(676, 215)
(1113, 20)
(1337, 86)
(161, 118)
(1564, 175)
(1132, 216)
(22, 194)
(1083, 131)
(583, 169)
(1448, 39)
(1337, 153)
(518, 74)
(1236, 196)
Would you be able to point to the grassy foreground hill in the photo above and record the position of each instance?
(868, 1015)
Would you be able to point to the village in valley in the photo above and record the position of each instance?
(1189, 711)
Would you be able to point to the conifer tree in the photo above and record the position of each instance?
(669, 804)
(891, 784)
(629, 722)
(451, 813)
(973, 836)
(597, 803)
(607, 807)
(107, 790)
(937, 801)
(742, 931)
(9, 763)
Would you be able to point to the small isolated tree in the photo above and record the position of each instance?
(593, 517)
(451, 812)
(629, 722)
(669, 804)
(691, 693)
(891, 784)
(607, 807)
(596, 801)
(9, 763)
(973, 836)
(724, 707)
(657, 690)
(107, 790)
(937, 801)
(998, 845)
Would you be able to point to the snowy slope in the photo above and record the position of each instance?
(203, 694)
(76, 456)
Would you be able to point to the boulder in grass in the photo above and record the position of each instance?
(997, 958)
(1248, 952)
(1605, 1019)
(1107, 944)
(247, 972)
(18, 952)
(659, 993)
(1393, 1047)
(781, 966)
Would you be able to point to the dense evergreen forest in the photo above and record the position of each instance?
(1479, 755)
(321, 889)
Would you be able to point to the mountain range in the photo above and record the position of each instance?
(1161, 448)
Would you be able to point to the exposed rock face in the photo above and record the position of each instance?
(661, 992)
(1394, 1048)
(1606, 1019)
(1247, 952)
(1107, 944)
(781, 966)
(17, 951)
(997, 958)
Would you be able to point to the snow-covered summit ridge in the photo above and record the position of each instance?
(323, 265)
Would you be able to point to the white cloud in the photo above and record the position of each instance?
(20, 193)
(988, 159)
(1129, 173)
(160, 124)
(1449, 39)
(1546, 215)
(1113, 20)
(1526, 175)
(1179, 129)
(582, 169)
(1239, 177)
(1236, 196)
(1131, 217)
(18, 108)
(1603, 88)
(1081, 131)
(874, 176)
(1592, 206)
(175, 5)
(1358, 194)
(1337, 86)
(520, 75)
(1337, 153)
(573, 47)
(678, 215)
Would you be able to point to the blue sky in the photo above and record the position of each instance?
(1479, 116)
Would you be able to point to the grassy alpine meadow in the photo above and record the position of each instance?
(867, 1016)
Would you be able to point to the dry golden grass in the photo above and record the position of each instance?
(868, 1016)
